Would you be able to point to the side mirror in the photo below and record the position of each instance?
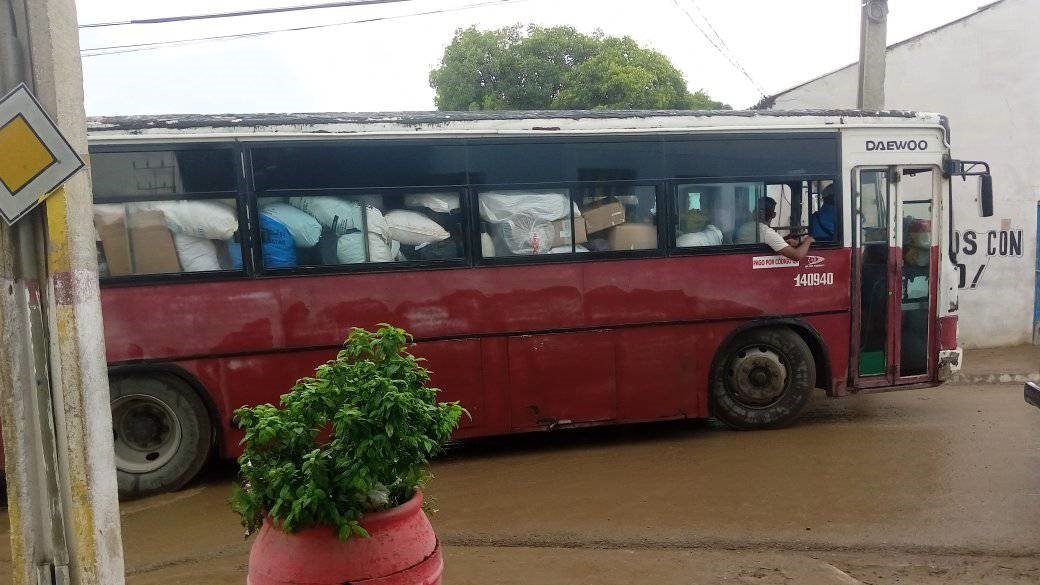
(986, 195)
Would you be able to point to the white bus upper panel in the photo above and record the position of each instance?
(326, 126)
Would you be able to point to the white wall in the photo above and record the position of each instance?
(984, 73)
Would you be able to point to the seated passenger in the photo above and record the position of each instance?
(694, 230)
(793, 248)
(823, 222)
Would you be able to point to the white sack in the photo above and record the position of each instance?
(437, 202)
(203, 219)
(105, 213)
(709, 236)
(345, 214)
(350, 249)
(196, 254)
(544, 204)
(412, 228)
(487, 246)
(305, 229)
(375, 200)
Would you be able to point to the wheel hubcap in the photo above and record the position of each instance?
(757, 376)
(147, 433)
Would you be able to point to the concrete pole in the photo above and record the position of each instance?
(54, 399)
(872, 47)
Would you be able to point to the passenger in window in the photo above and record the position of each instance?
(823, 222)
(749, 233)
(696, 229)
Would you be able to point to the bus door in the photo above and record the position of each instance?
(894, 292)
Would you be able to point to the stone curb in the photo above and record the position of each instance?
(993, 378)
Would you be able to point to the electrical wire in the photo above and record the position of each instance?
(727, 55)
(718, 37)
(133, 48)
(165, 19)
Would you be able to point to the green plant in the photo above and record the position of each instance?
(353, 439)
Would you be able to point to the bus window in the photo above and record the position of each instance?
(165, 212)
(602, 218)
(165, 237)
(341, 228)
(712, 214)
(524, 222)
(619, 217)
(823, 222)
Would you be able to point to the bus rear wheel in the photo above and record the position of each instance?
(762, 378)
(162, 433)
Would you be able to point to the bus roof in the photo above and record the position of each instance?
(180, 127)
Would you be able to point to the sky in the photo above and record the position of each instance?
(385, 65)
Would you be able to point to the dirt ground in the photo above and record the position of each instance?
(936, 486)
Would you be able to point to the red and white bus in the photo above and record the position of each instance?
(558, 269)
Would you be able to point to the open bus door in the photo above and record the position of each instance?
(896, 267)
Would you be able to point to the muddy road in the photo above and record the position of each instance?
(924, 486)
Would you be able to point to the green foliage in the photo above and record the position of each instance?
(557, 68)
(353, 439)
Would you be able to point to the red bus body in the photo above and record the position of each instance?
(522, 347)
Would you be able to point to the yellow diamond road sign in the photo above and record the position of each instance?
(34, 157)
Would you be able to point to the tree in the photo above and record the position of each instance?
(557, 68)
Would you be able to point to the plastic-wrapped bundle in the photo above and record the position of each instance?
(211, 220)
(437, 202)
(350, 249)
(305, 230)
(412, 228)
(523, 235)
(341, 214)
(196, 254)
(544, 204)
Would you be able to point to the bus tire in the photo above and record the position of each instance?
(162, 433)
(762, 378)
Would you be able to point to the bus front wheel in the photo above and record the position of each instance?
(762, 378)
(161, 430)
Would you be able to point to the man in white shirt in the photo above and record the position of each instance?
(759, 231)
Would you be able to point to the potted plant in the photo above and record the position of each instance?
(331, 480)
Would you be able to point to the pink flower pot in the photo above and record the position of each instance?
(402, 549)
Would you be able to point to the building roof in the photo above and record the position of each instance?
(768, 101)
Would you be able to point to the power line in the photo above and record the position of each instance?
(732, 60)
(165, 19)
(133, 48)
(707, 21)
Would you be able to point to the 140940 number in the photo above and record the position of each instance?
(814, 279)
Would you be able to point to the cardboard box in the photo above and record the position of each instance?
(562, 232)
(633, 236)
(604, 216)
(151, 244)
(115, 244)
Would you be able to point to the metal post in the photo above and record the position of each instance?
(54, 401)
(872, 47)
